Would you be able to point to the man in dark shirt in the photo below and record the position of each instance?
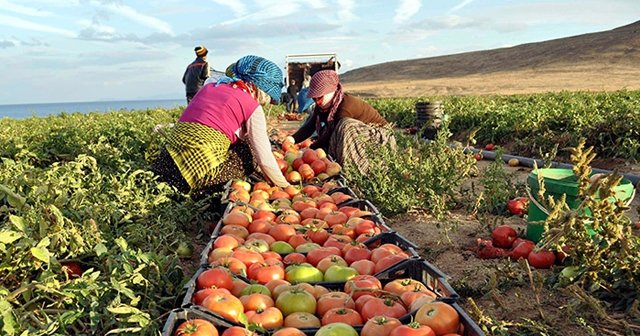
(292, 90)
(196, 73)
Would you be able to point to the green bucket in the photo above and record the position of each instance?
(557, 182)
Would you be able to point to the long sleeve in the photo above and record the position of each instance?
(325, 137)
(259, 141)
(307, 129)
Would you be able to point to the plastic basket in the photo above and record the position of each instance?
(180, 315)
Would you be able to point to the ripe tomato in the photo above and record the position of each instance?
(269, 318)
(380, 326)
(412, 329)
(265, 272)
(399, 286)
(503, 236)
(201, 294)
(302, 320)
(489, 147)
(225, 305)
(439, 316)
(522, 250)
(364, 266)
(518, 206)
(256, 301)
(72, 269)
(332, 300)
(542, 259)
(238, 331)
(196, 327)
(314, 256)
(214, 278)
(344, 315)
(362, 285)
(289, 331)
(383, 306)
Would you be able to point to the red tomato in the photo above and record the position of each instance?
(412, 329)
(380, 326)
(503, 236)
(518, 206)
(362, 285)
(522, 250)
(383, 306)
(489, 146)
(542, 259)
(332, 300)
(215, 278)
(196, 327)
(72, 269)
(269, 318)
(201, 294)
(344, 315)
(289, 331)
(256, 301)
(225, 305)
(238, 331)
(439, 316)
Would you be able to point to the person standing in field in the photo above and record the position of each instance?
(196, 73)
(292, 90)
(222, 130)
(345, 125)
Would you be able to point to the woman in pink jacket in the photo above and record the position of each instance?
(223, 131)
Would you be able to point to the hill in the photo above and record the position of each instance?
(608, 60)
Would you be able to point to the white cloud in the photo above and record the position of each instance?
(19, 9)
(28, 25)
(406, 10)
(460, 6)
(138, 17)
(237, 7)
(345, 10)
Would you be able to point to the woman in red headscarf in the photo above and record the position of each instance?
(345, 124)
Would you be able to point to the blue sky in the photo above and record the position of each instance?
(88, 50)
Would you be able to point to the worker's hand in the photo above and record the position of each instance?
(290, 139)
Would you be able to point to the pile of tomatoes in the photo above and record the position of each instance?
(312, 260)
(505, 243)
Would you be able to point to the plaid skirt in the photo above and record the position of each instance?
(196, 158)
(352, 141)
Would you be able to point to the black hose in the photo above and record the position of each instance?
(529, 162)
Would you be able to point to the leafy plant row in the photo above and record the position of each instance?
(535, 123)
(75, 190)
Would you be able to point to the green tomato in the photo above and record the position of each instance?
(336, 329)
(303, 273)
(184, 250)
(337, 273)
(306, 247)
(297, 300)
(255, 288)
(282, 247)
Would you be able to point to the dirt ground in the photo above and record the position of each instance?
(500, 288)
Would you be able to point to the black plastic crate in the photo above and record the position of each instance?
(425, 272)
(471, 328)
(180, 315)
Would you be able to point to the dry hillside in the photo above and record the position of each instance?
(608, 60)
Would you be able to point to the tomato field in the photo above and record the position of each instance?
(92, 244)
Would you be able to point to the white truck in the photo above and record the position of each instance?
(301, 67)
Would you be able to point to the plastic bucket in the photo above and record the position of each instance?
(558, 182)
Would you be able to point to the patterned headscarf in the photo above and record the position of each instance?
(265, 74)
(324, 82)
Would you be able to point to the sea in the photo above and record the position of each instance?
(22, 111)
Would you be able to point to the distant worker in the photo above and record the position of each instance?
(292, 90)
(345, 125)
(196, 73)
(305, 104)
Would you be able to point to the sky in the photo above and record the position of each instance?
(93, 50)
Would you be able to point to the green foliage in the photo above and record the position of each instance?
(416, 174)
(497, 187)
(75, 188)
(538, 122)
(605, 261)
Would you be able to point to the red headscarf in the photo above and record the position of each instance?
(324, 82)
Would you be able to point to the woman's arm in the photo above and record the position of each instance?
(259, 141)
(306, 130)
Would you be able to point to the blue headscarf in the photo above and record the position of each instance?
(265, 74)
